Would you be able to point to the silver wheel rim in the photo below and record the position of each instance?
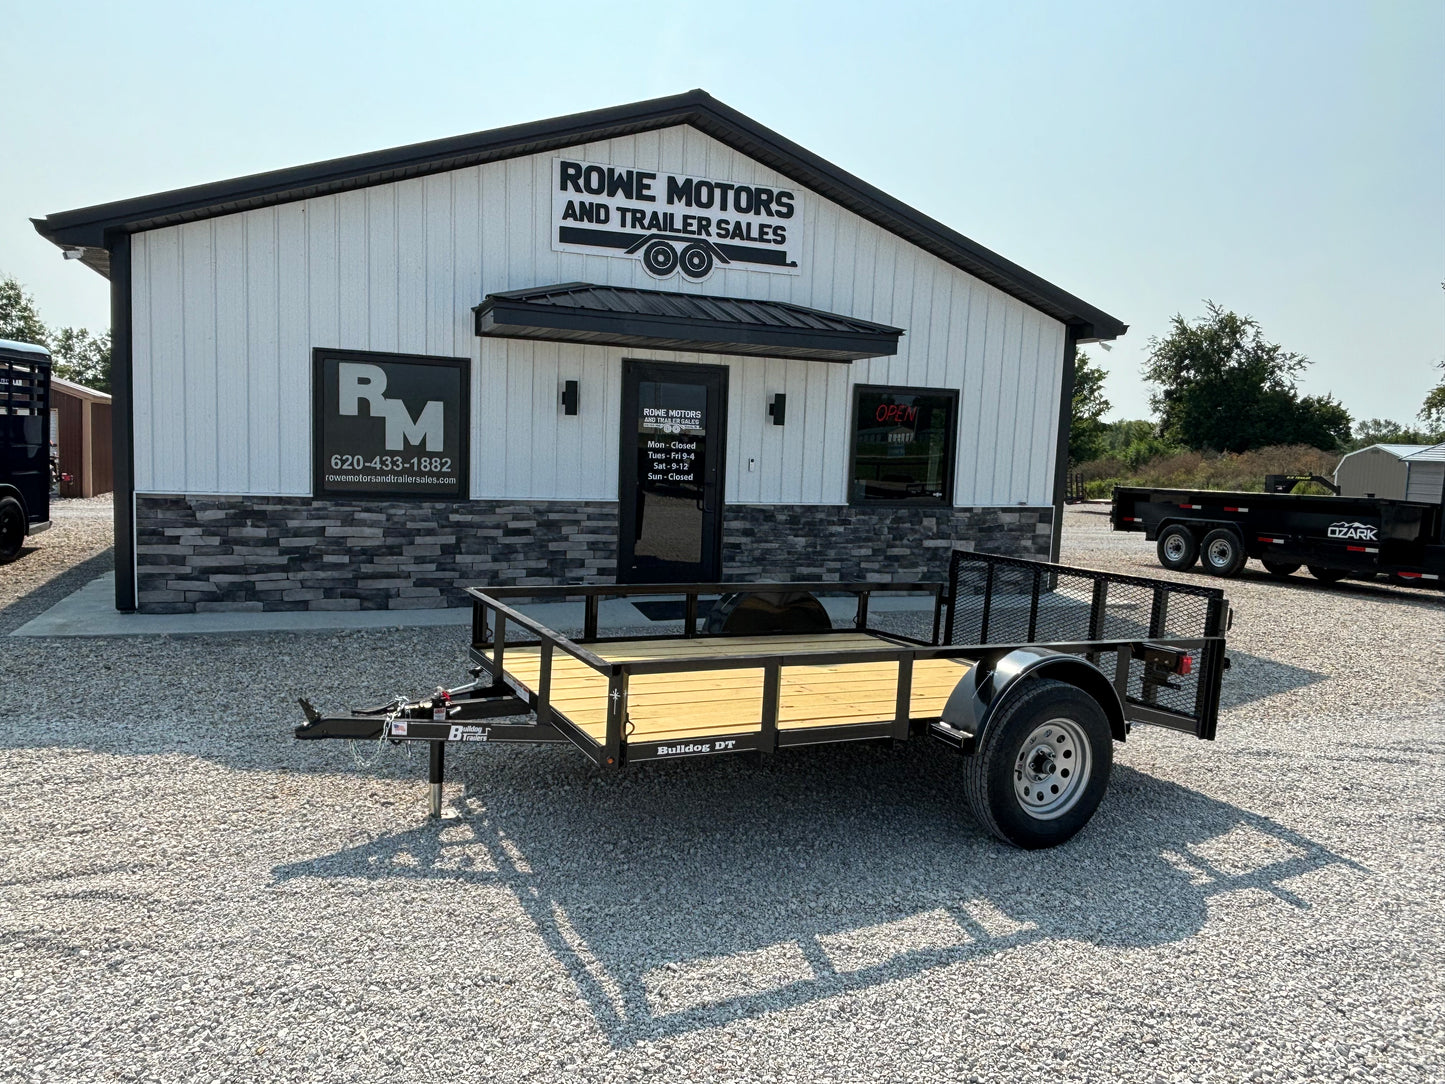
(1052, 769)
(1174, 547)
(1221, 553)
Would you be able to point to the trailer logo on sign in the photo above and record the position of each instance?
(1354, 530)
(674, 222)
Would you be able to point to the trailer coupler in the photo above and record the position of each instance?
(461, 714)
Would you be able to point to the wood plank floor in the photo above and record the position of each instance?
(662, 707)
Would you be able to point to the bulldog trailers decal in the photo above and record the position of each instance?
(674, 222)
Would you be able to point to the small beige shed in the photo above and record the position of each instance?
(1376, 471)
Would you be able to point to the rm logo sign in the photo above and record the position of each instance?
(390, 425)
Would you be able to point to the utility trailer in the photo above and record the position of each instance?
(1333, 537)
(1031, 672)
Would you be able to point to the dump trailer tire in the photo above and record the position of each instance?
(12, 529)
(1222, 553)
(1281, 570)
(1043, 766)
(1327, 575)
(1178, 548)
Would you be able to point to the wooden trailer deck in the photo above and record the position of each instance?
(664, 707)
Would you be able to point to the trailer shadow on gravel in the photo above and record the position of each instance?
(710, 892)
(66, 581)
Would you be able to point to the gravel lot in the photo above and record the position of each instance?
(188, 894)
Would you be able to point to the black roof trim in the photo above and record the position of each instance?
(582, 312)
(90, 227)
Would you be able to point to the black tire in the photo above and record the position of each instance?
(1012, 761)
(1327, 575)
(1222, 552)
(696, 261)
(12, 528)
(759, 613)
(660, 259)
(1282, 570)
(1178, 548)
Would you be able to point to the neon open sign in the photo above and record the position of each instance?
(896, 413)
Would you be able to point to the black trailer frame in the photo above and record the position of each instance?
(1333, 536)
(1148, 651)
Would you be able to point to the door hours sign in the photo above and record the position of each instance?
(674, 223)
(390, 425)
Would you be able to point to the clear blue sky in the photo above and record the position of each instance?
(1284, 159)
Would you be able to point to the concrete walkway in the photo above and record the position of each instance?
(91, 612)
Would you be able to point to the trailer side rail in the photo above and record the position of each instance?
(1007, 604)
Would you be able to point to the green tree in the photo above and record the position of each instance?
(1433, 412)
(1318, 420)
(1135, 442)
(78, 355)
(1086, 428)
(19, 318)
(1223, 388)
(1385, 431)
(82, 357)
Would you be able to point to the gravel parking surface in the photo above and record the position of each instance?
(190, 895)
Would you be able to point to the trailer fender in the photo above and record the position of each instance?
(976, 700)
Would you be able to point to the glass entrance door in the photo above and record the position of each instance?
(670, 489)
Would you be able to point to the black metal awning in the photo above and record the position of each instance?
(581, 312)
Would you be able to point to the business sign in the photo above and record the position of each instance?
(390, 425)
(673, 222)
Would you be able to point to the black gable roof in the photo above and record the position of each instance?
(89, 227)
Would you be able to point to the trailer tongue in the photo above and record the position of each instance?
(1031, 672)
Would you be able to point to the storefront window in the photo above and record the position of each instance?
(902, 446)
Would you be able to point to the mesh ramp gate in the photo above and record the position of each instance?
(995, 601)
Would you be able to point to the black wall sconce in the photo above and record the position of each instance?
(778, 408)
(569, 397)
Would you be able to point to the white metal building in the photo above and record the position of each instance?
(1425, 475)
(654, 342)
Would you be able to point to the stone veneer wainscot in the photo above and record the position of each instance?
(199, 554)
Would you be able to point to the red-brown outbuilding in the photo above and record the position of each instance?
(81, 429)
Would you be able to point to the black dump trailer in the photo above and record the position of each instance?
(24, 444)
(1334, 537)
(1031, 672)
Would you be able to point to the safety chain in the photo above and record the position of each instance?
(398, 705)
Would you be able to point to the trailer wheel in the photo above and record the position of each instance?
(1223, 552)
(1327, 575)
(696, 261)
(1043, 767)
(12, 529)
(660, 259)
(1178, 548)
(1276, 568)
